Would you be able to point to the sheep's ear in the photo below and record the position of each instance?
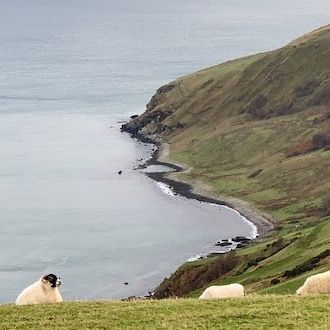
(44, 278)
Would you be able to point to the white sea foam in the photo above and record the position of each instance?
(254, 228)
(196, 257)
(165, 188)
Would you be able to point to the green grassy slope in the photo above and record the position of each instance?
(256, 312)
(257, 128)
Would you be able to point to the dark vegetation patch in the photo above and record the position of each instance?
(326, 206)
(275, 281)
(318, 141)
(258, 108)
(307, 88)
(269, 250)
(321, 140)
(254, 107)
(281, 109)
(322, 97)
(306, 266)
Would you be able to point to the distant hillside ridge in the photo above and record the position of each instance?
(291, 79)
(255, 129)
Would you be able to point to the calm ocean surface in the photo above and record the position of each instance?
(69, 71)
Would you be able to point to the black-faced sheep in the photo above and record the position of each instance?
(315, 284)
(44, 291)
(234, 290)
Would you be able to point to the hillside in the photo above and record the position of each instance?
(256, 129)
(258, 312)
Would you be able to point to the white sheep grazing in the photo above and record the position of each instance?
(315, 284)
(44, 291)
(234, 290)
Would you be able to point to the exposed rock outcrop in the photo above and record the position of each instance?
(151, 121)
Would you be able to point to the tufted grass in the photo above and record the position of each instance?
(254, 312)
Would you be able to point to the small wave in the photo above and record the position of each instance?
(254, 228)
(165, 188)
(195, 258)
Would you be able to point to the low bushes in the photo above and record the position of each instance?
(318, 141)
(306, 266)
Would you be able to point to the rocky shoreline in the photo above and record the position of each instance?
(263, 222)
(159, 157)
(136, 127)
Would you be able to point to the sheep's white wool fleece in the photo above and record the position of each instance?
(39, 293)
(315, 284)
(234, 290)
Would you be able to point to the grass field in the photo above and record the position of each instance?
(255, 312)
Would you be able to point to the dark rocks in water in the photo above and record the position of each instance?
(241, 239)
(120, 172)
(134, 116)
(223, 243)
(240, 245)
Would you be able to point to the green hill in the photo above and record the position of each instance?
(258, 312)
(256, 129)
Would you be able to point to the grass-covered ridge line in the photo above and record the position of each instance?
(256, 312)
(256, 129)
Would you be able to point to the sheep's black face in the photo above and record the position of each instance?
(53, 280)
